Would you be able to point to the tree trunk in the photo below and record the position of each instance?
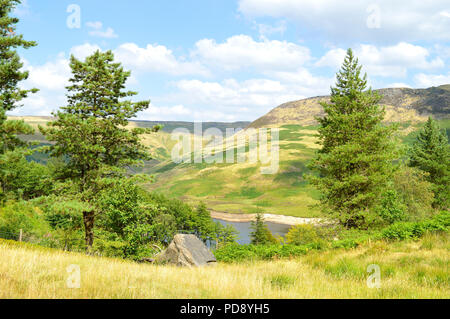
(88, 219)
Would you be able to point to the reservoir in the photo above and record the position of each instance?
(244, 229)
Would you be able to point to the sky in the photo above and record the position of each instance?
(232, 60)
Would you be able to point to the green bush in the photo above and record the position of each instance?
(22, 215)
(391, 209)
(302, 234)
(239, 253)
(410, 230)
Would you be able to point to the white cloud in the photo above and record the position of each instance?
(428, 80)
(249, 96)
(406, 20)
(156, 58)
(398, 85)
(81, 52)
(389, 61)
(241, 51)
(52, 75)
(163, 112)
(97, 31)
(304, 82)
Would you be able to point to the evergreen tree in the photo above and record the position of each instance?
(90, 131)
(431, 153)
(10, 77)
(10, 93)
(261, 234)
(355, 162)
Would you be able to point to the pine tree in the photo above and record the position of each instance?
(431, 153)
(260, 234)
(10, 77)
(355, 162)
(90, 131)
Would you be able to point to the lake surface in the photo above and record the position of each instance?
(244, 229)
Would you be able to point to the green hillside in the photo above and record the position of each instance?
(240, 187)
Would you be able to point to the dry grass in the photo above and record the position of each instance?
(408, 271)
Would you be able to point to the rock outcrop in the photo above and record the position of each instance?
(186, 251)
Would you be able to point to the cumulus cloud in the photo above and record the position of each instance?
(156, 58)
(254, 95)
(388, 61)
(428, 80)
(408, 20)
(241, 51)
(52, 75)
(81, 52)
(154, 113)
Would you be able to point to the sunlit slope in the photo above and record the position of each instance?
(241, 188)
(402, 105)
(160, 144)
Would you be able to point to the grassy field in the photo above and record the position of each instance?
(414, 269)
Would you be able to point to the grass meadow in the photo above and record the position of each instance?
(410, 269)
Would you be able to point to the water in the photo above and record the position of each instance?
(244, 229)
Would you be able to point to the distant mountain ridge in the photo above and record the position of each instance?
(167, 126)
(402, 105)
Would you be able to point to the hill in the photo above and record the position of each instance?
(402, 105)
(160, 144)
(240, 188)
(415, 269)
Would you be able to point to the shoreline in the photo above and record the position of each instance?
(278, 219)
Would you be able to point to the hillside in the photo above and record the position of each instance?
(412, 269)
(240, 188)
(402, 105)
(160, 144)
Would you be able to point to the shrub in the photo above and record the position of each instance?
(390, 209)
(22, 215)
(239, 253)
(302, 234)
(415, 192)
(407, 230)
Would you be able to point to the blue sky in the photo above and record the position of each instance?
(217, 60)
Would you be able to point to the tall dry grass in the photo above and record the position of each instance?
(409, 270)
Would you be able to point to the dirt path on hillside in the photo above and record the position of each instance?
(279, 219)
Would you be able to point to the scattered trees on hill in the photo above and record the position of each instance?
(355, 163)
(431, 154)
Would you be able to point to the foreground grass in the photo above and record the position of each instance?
(408, 270)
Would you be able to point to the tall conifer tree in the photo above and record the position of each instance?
(10, 77)
(431, 153)
(355, 162)
(90, 132)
